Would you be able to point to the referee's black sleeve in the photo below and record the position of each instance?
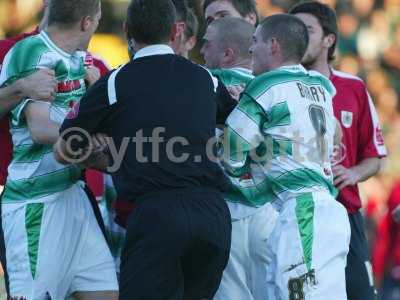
(225, 103)
(89, 116)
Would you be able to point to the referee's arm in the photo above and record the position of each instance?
(83, 121)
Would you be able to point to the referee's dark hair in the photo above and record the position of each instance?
(326, 18)
(150, 21)
(290, 32)
(244, 7)
(68, 12)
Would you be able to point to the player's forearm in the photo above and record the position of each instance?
(367, 168)
(10, 96)
(45, 133)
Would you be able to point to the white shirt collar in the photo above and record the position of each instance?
(159, 49)
(245, 70)
(293, 68)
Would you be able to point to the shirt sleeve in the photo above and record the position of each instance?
(371, 137)
(89, 116)
(243, 135)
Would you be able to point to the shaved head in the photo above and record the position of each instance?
(234, 33)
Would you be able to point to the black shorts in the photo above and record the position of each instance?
(359, 281)
(177, 246)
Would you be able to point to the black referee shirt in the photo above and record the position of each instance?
(160, 110)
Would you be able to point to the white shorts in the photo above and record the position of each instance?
(57, 248)
(308, 249)
(245, 275)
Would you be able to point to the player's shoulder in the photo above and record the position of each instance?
(272, 80)
(31, 46)
(345, 79)
(233, 76)
(7, 44)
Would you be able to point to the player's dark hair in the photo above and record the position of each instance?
(326, 18)
(150, 21)
(68, 12)
(181, 10)
(244, 7)
(290, 32)
(192, 24)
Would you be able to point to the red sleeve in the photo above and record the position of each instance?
(371, 138)
(95, 181)
(101, 65)
(5, 46)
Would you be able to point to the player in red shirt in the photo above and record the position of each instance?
(362, 141)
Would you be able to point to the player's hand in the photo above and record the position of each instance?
(92, 75)
(99, 151)
(344, 177)
(41, 85)
(235, 91)
(100, 142)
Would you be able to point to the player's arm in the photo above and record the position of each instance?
(40, 85)
(242, 136)
(371, 149)
(41, 128)
(80, 125)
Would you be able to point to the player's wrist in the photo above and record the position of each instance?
(20, 89)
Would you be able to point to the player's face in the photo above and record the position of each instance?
(95, 21)
(316, 37)
(260, 53)
(210, 50)
(220, 9)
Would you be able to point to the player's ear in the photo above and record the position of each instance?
(229, 56)
(274, 47)
(251, 18)
(329, 40)
(85, 23)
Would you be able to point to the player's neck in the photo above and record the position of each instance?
(320, 66)
(66, 40)
(244, 63)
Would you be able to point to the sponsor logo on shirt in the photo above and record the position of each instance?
(346, 118)
(68, 86)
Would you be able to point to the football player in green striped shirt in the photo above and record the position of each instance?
(278, 142)
(54, 246)
(226, 53)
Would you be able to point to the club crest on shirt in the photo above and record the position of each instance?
(347, 118)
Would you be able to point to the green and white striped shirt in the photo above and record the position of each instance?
(278, 140)
(34, 174)
(233, 76)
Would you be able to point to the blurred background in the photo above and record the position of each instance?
(369, 47)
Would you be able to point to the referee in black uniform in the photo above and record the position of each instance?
(161, 108)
